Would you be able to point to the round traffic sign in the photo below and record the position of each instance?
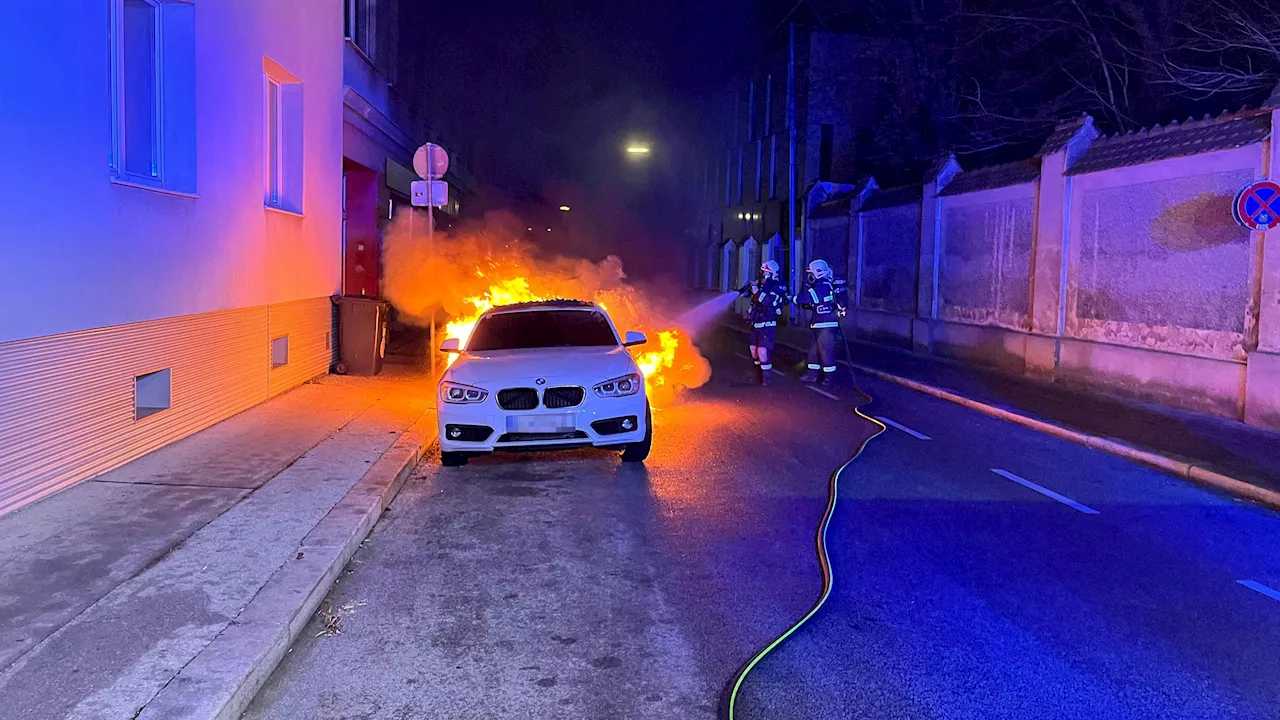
(1257, 206)
(431, 162)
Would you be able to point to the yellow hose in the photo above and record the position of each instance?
(820, 541)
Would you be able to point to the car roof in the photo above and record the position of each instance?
(561, 304)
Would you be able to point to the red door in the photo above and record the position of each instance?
(361, 253)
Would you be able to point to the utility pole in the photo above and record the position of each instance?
(791, 165)
(431, 162)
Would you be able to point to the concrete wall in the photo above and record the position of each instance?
(1133, 280)
(829, 240)
(1158, 261)
(985, 265)
(889, 271)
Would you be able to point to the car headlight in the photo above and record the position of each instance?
(459, 394)
(620, 387)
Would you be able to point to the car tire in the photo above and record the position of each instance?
(638, 452)
(453, 459)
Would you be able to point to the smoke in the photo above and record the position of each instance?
(491, 259)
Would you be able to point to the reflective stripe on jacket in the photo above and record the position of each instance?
(766, 303)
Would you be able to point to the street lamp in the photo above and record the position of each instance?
(637, 149)
(564, 208)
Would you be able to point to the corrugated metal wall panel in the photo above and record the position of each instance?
(67, 401)
(307, 323)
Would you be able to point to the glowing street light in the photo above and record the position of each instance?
(637, 149)
(564, 208)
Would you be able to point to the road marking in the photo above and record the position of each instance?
(820, 391)
(1260, 588)
(903, 428)
(1045, 491)
(745, 357)
(777, 372)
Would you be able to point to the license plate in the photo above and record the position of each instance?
(541, 423)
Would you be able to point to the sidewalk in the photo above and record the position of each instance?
(115, 586)
(1225, 447)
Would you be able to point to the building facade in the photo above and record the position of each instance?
(384, 121)
(183, 271)
(791, 123)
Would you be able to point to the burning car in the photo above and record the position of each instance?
(544, 375)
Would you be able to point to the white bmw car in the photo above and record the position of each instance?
(547, 375)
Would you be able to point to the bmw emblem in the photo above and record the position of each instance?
(541, 381)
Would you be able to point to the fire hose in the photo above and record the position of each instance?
(824, 561)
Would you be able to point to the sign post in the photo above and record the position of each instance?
(431, 162)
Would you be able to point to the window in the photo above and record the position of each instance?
(153, 93)
(759, 186)
(274, 130)
(282, 138)
(740, 169)
(542, 329)
(773, 167)
(151, 393)
(361, 25)
(728, 175)
(826, 140)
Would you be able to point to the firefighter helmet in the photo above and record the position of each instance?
(770, 268)
(820, 269)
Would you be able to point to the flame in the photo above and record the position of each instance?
(655, 365)
(507, 292)
(470, 271)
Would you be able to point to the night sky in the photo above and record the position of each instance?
(551, 91)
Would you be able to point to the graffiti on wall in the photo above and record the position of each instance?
(890, 267)
(985, 269)
(1163, 265)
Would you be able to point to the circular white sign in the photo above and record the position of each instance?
(431, 162)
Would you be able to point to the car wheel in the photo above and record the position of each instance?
(453, 459)
(637, 452)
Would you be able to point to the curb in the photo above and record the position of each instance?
(1180, 468)
(221, 681)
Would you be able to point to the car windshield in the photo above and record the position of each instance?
(542, 329)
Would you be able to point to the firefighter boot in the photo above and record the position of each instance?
(811, 376)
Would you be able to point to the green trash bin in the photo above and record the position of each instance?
(362, 334)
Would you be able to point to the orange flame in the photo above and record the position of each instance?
(469, 272)
(656, 365)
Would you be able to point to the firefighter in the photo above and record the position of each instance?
(826, 298)
(767, 296)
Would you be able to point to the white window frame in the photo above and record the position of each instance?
(273, 196)
(118, 163)
(364, 27)
(289, 130)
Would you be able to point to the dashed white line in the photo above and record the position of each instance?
(1045, 491)
(777, 372)
(1261, 589)
(820, 391)
(745, 357)
(903, 428)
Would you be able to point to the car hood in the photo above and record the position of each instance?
(581, 365)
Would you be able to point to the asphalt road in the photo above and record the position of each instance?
(1069, 584)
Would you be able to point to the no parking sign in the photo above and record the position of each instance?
(1257, 206)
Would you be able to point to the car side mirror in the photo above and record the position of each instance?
(451, 345)
(634, 338)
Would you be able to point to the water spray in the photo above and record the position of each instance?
(694, 320)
